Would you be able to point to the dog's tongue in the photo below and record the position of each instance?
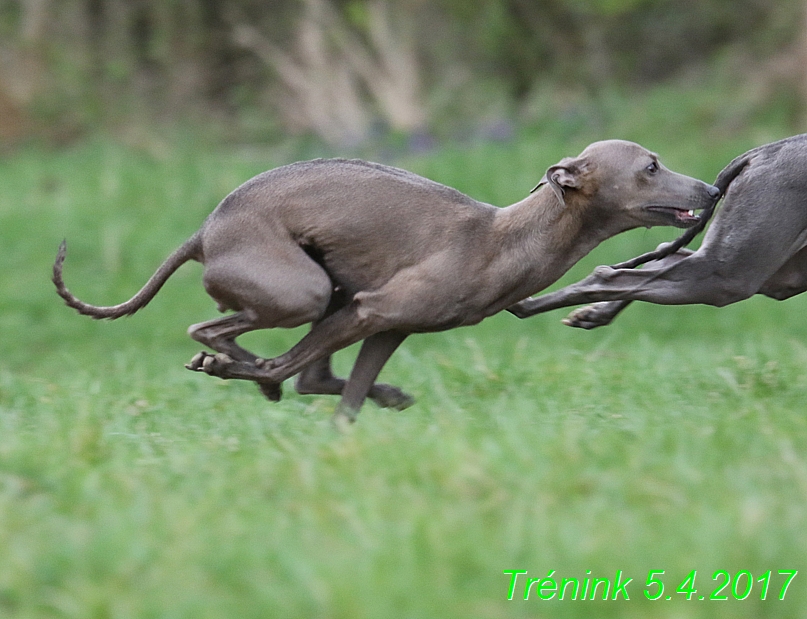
(685, 216)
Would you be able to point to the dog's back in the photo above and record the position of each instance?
(362, 221)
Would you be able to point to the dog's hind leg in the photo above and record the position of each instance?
(695, 279)
(379, 317)
(356, 322)
(374, 353)
(318, 379)
(220, 334)
(789, 280)
(270, 283)
(603, 313)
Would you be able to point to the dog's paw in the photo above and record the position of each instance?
(271, 391)
(343, 418)
(388, 396)
(342, 424)
(197, 362)
(215, 365)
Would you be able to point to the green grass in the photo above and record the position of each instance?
(673, 440)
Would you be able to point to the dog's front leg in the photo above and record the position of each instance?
(318, 379)
(603, 313)
(611, 290)
(374, 353)
(575, 294)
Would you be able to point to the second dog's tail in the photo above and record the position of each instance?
(724, 179)
(190, 250)
(732, 171)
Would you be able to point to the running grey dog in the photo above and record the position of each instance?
(369, 252)
(757, 244)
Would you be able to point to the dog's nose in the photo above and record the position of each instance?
(713, 192)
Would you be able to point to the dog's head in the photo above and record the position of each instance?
(627, 184)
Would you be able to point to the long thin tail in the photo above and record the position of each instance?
(732, 171)
(190, 250)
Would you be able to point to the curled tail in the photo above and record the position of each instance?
(190, 250)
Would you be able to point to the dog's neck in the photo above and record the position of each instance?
(546, 237)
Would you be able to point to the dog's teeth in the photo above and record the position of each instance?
(691, 213)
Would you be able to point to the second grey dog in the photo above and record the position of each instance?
(369, 252)
(756, 244)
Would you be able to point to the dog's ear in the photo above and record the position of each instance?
(565, 175)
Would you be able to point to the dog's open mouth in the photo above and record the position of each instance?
(681, 217)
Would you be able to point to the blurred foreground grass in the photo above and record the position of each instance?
(674, 440)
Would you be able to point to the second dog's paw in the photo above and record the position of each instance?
(589, 317)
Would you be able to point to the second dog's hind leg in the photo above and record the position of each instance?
(789, 280)
(604, 312)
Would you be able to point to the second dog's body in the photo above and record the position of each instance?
(368, 252)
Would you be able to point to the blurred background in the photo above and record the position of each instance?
(130, 487)
(413, 73)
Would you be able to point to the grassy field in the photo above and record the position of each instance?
(674, 440)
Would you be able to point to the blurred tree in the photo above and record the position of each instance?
(803, 62)
(22, 67)
(337, 58)
(343, 68)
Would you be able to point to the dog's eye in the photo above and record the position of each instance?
(652, 168)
